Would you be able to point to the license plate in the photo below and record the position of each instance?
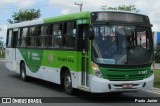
(127, 86)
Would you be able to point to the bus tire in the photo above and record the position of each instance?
(68, 83)
(23, 72)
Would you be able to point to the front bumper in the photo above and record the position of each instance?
(99, 85)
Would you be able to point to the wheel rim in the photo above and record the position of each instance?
(23, 74)
(68, 84)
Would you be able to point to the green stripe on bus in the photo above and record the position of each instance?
(132, 74)
(75, 16)
(52, 58)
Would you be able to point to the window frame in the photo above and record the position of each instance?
(11, 40)
(48, 47)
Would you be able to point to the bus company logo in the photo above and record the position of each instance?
(126, 77)
(6, 100)
(50, 58)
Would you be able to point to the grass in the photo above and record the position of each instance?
(157, 78)
(2, 56)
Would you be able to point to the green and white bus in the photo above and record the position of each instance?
(97, 52)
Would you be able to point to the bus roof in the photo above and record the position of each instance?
(26, 23)
(121, 11)
(74, 16)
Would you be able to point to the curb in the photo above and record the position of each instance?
(155, 90)
(2, 59)
(157, 66)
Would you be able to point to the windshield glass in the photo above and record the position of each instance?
(122, 45)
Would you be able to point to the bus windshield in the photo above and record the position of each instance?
(122, 45)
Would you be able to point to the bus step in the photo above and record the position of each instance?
(84, 88)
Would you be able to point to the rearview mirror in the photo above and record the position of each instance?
(91, 33)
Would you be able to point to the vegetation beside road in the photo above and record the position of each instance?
(157, 78)
(2, 55)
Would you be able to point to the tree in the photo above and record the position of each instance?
(1, 45)
(123, 8)
(24, 15)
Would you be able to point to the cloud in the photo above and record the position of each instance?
(66, 6)
(65, 11)
(25, 3)
(88, 5)
(17, 3)
(3, 2)
(148, 7)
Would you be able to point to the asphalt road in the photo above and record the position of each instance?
(12, 86)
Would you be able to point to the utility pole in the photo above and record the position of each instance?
(104, 8)
(80, 5)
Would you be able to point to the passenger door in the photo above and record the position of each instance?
(11, 49)
(84, 47)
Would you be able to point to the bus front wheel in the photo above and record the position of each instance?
(23, 72)
(68, 83)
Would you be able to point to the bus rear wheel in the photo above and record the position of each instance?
(68, 83)
(23, 72)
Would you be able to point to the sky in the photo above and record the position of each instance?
(51, 8)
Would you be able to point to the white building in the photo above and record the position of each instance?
(156, 36)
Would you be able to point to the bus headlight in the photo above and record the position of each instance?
(152, 69)
(96, 70)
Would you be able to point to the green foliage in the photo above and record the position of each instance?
(1, 43)
(24, 15)
(123, 8)
(157, 78)
(3, 54)
(157, 54)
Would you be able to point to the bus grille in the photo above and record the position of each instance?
(125, 75)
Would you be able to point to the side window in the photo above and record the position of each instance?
(141, 39)
(44, 30)
(24, 34)
(19, 37)
(9, 38)
(33, 31)
(42, 39)
(69, 33)
(55, 35)
(31, 39)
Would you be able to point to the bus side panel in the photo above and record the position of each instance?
(10, 59)
(54, 60)
(47, 64)
(19, 58)
(35, 68)
(45, 73)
